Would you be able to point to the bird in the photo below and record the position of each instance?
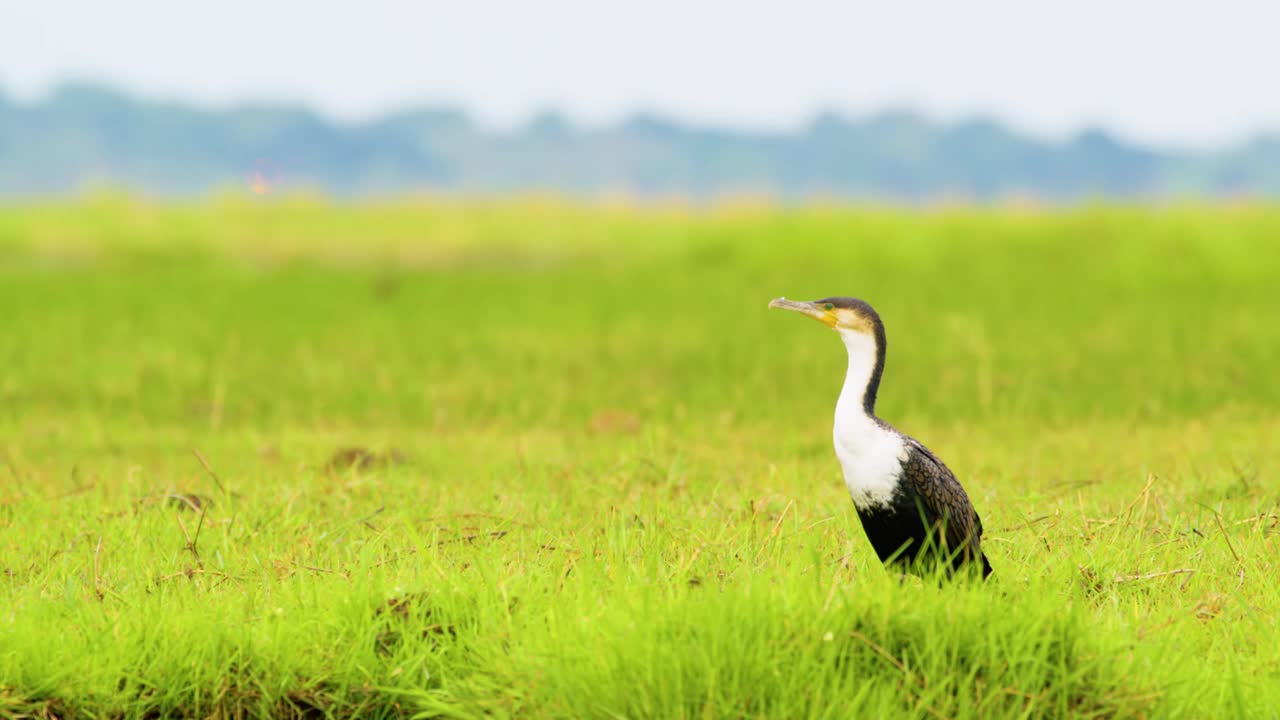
(913, 509)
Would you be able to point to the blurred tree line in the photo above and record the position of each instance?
(81, 135)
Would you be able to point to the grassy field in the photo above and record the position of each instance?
(527, 459)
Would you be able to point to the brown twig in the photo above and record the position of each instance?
(97, 569)
(192, 572)
(1146, 489)
(1152, 576)
(199, 526)
(190, 501)
(209, 469)
(1024, 525)
(191, 545)
(472, 538)
(1218, 519)
(365, 520)
(1256, 519)
(312, 568)
(774, 531)
(1183, 586)
(468, 515)
(468, 539)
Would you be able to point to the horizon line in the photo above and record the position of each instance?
(639, 113)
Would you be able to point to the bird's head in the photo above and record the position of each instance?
(860, 328)
(845, 315)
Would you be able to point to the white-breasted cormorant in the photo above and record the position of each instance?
(911, 506)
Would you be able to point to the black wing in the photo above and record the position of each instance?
(944, 499)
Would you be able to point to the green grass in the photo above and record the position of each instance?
(611, 490)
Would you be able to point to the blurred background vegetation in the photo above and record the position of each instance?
(540, 311)
(83, 135)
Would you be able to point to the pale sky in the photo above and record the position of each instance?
(1202, 73)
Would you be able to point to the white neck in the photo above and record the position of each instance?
(862, 364)
(870, 455)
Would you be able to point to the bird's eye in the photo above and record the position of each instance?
(829, 306)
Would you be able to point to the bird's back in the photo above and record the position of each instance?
(945, 505)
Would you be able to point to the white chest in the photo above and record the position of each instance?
(871, 458)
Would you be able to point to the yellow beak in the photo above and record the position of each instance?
(806, 308)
